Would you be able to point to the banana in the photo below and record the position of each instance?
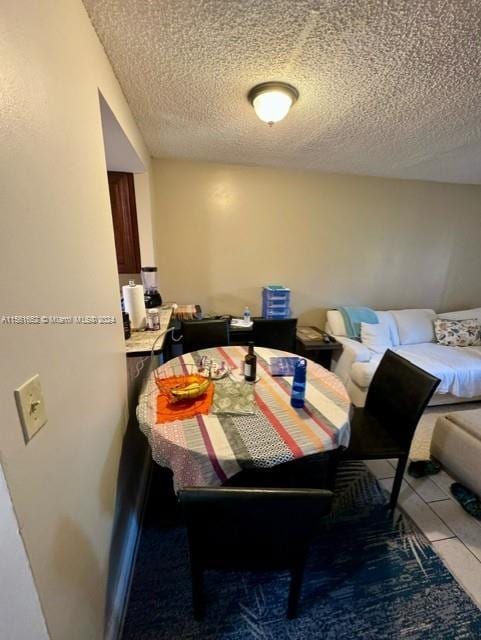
(190, 391)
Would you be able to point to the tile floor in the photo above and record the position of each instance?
(454, 534)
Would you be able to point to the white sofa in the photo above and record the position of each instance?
(411, 334)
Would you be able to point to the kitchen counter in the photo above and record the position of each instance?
(140, 342)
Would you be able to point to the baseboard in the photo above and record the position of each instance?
(115, 622)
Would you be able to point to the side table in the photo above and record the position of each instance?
(316, 344)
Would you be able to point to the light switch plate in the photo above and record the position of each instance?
(31, 407)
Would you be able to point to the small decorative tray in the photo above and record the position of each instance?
(213, 369)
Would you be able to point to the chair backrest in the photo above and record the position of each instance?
(277, 334)
(242, 528)
(203, 334)
(398, 394)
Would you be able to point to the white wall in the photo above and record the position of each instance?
(224, 231)
(21, 617)
(143, 200)
(57, 256)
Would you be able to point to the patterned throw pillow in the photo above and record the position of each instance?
(457, 333)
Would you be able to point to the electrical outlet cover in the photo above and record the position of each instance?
(31, 407)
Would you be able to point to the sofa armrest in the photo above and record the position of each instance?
(357, 351)
(352, 352)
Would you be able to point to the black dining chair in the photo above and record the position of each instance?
(202, 334)
(251, 529)
(276, 334)
(385, 426)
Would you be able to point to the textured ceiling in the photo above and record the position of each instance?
(387, 87)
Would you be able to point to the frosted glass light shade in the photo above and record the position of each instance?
(272, 100)
(272, 106)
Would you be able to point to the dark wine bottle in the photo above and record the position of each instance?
(126, 323)
(250, 364)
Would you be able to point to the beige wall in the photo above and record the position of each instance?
(57, 257)
(223, 231)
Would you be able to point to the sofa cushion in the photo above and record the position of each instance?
(335, 324)
(376, 337)
(386, 317)
(415, 326)
(457, 333)
(458, 369)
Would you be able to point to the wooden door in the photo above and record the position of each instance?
(124, 216)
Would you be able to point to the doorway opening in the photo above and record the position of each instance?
(123, 165)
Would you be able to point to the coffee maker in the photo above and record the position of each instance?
(152, 297)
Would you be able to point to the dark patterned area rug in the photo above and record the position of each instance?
(368, 577)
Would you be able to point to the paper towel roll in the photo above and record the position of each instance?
(134, 304)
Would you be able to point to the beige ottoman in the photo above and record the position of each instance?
(456, 444)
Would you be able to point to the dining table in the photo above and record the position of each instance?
(215, 448)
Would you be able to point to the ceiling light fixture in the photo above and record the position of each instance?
(272, 100)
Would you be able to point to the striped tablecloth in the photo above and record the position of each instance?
(208, 449)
